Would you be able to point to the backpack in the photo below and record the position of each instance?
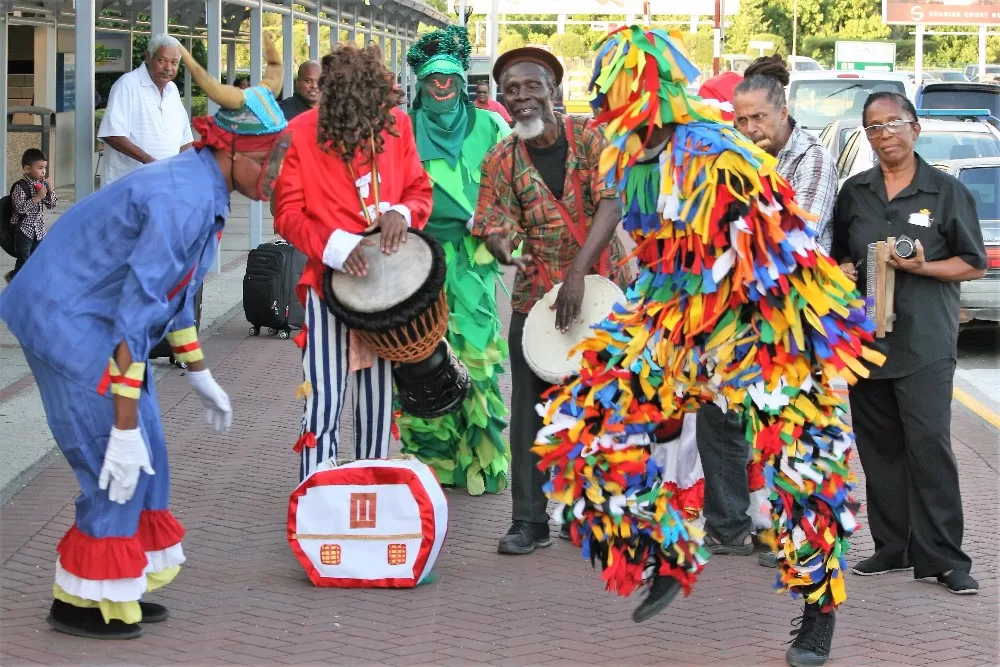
(7, 219)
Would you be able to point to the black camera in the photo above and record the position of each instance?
(905, 247)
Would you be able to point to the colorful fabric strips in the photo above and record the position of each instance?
(735, 304)
(185, 346)
(128, 385)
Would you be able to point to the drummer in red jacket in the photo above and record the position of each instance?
(323, 203)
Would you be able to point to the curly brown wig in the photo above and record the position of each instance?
(356, 103)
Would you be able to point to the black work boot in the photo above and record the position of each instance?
(662, 592)
(813, 637)
(565, 532)
(89, 623)
(524, 537)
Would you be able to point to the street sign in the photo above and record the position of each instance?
(865, 56)
(941, 12)
(762, 46)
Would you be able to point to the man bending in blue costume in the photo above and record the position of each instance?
(118, 272)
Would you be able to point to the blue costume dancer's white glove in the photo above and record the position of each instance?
(125, 457)
(218, 410)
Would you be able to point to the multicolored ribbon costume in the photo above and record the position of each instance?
(735, 304)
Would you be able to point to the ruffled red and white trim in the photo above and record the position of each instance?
(159, 530)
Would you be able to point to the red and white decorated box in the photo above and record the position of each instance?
(368, 524)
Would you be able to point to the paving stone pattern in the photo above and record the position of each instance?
(243, 599)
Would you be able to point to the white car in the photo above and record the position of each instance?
(816, 99)
(940, 140)
(803, 64)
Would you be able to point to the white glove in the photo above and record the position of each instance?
(125, 457)
(218, 410)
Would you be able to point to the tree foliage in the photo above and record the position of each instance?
(510, 42)
(568, 45)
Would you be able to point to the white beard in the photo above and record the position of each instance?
(529, 130)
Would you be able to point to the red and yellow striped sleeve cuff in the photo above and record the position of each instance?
(128, 385)
(185, 345)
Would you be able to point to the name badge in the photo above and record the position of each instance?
(921, 218)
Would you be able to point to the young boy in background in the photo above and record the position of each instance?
(29, 197)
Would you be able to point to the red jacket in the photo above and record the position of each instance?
(316, 195)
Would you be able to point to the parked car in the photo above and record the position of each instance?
(803, 64)
(940, 140)
(948, 75)
(972, 72)
(816, 99)
(835, 135)
(957, 95)
(981, 298)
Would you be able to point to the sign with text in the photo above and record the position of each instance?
(112, 52)
(941, 12)
(872, 56)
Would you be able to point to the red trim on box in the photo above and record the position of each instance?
(101, 558)
(365, 477)
(158, 530)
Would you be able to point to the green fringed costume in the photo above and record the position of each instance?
(466, 448)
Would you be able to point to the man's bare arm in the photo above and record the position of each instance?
(126, 147)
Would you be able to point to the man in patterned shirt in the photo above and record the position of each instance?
(761, 114)
(29, 197)
(542, 187)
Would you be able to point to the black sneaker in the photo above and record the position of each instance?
(524, 537)
(741, 547)
(661, 593)
(872, 566)
(767, 559)
(153, 613)
(959, 583)
(813, 637)
(565, 533)
(89, 623)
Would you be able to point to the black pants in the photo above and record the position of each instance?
(528, 499)
(724, 452)
(903, 429)
(23, 247)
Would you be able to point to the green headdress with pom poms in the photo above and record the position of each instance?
(441, 52)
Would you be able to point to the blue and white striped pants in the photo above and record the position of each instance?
(325, 363)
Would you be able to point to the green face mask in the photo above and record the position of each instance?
(440, 93)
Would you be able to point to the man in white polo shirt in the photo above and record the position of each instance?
(145, 119)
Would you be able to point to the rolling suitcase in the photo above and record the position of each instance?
(269, 298)
(162, 349)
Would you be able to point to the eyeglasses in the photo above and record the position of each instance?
(892, 127)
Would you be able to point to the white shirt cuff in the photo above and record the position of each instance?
(404, 211)
(469, 225)
(339, 248)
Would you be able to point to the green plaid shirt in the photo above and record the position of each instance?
(534, 215)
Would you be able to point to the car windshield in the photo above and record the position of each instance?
(813, 104)
(808, 66)
(934, 146)
(950, 76)
(984, 184)
(950, 98)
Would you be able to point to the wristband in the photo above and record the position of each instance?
(185, 346)
(130, 384)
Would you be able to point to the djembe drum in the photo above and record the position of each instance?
(400, 310)
(546, 349)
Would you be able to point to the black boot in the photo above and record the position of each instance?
(661, 593)
(89, 623)
(813, 637)
(153, 613)
(524, 537)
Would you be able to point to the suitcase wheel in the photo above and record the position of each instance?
(254, 331)
(283, 335)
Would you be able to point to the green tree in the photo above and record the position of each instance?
(510, 42)
(538, 37)
(749, 20)
(568, 45)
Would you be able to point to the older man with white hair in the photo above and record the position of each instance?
(145, 119)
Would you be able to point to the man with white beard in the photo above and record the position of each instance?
(542, 188)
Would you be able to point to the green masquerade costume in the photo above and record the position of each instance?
(466, 448)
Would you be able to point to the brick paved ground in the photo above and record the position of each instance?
(242, 598)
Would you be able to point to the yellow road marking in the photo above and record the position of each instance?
(977, 407)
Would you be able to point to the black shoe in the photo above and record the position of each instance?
(661, 593)
(813, 637)
(524, 537)
(740, 547)
(89, 623)
(565, 533)
(959, 583)
(767, 559)
(872, 566)
(153, 613)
